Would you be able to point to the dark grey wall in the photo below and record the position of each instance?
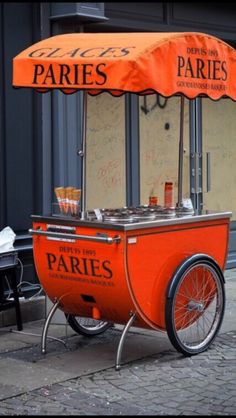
(212, 17)
(20, 131)
(20, 128)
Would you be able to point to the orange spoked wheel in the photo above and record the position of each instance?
(195, 305)
(87, 326)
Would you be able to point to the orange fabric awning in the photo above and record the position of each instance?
(188, 63)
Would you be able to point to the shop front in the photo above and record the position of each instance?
(124, 157)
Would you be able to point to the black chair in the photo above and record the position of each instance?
(8, 268)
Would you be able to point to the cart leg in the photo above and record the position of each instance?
(46, 325)
(122, 338)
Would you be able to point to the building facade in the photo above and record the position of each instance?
(132, 141)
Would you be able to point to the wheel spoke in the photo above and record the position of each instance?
(196, 310)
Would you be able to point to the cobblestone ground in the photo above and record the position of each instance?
(162, 384)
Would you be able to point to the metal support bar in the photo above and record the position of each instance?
(196, 167)
(122, 338)
(61, 235)
(208, 171)
(196, 172)
(46, 325)
(83, 155)
(181, 153)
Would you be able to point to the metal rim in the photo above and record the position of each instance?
(196, 310)
(90, 323)
(87, 326)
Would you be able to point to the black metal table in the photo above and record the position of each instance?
(8, 267)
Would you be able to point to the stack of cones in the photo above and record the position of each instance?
(68, 199)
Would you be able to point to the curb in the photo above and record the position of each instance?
(31, 310)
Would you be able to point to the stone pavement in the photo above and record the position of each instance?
(77, 375)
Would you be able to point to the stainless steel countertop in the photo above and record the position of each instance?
(177, 219)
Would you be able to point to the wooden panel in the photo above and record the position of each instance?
(159, 147)
(106, 151)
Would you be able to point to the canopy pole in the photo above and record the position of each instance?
(83, 155)
(179, 204)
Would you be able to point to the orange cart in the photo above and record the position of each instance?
(152, 267)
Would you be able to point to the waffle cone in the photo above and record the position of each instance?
(59, 193)
(63, 199)
(63, 192)
(76, 193)
(69, 198)
(69, 191)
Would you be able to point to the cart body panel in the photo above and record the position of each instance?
(127, 276)
(84, 275)
(160, 252)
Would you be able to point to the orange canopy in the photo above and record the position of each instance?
(189, 63)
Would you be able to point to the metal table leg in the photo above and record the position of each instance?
(122, 338)
(16, 300)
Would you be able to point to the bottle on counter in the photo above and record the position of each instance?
(168, 194)
(153, 200)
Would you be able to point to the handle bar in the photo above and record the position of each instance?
(103, 239)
